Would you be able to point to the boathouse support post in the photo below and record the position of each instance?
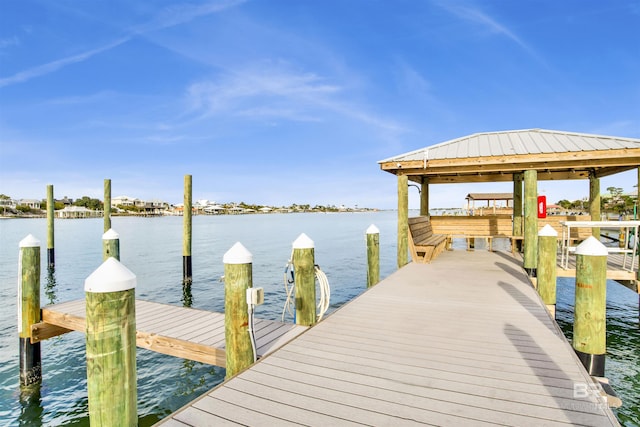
(305, 280)
(238, 277)
(186, 241)
(546, 273)
(517, 210)
(590, 320)
(424, 196)
(111, 345)
(110, 245)
(403, 220)
(51, 213)
(29, 310)
(106, 207)
(594, 201)
(373, 255)
(530, 221)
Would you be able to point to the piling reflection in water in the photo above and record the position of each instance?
(30, 406)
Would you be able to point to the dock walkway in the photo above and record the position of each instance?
(461, 341)
(177, 331)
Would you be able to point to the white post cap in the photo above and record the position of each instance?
(110, 234)
(548, 231)
(111, 276)
(238, 254)
(591, 246)
(303, 242)
(373, 230)
(29, 242)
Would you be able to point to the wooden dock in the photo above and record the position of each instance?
(177, 331)
(464, 340)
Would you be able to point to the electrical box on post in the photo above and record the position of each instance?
(542, 206)
(255, 296)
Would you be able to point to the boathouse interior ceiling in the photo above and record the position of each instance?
(496, 156)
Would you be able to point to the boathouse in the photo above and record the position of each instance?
(523, 157)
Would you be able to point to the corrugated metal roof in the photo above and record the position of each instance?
(516, 142)
(489, 196)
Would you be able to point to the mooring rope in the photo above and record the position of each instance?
(290, 285)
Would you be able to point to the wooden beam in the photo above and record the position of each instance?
(181, 348)
(42, 331)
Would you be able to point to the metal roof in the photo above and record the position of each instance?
(516, 142)
(500, 156)
(489, 196)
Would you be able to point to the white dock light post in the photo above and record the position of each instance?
(546, 273)
(111, 345)
(590, 321)
(373, 255)
(305, 278)
(29, 310)
(238, 277)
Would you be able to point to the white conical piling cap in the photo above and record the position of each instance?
(548, 231)
(373, 230)
(29, 242)
(591, 246)
(110, 234)
(303, 242)
(238, 254)
(111, 276)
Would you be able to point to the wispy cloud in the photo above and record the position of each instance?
(9, 41)
(168, 17)
(480, 17)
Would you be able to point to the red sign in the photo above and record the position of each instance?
(542, 206)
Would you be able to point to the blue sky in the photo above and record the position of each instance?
(294, 101)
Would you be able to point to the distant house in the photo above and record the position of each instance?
(77, 212)
(124, 201)
(32, 203)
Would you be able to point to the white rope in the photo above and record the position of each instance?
(289, 288)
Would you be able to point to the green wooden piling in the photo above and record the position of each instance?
(530, 222)
(110, 245)
(51, 209)
(29, 310)
(594, 202)
(373, 255)
(589, 324)
(186, 241)
(111, 345)
(546, 272)
(403, 220)
(107, 205)
(424, 196)
(517, 209)
(238, 277)
(305, 280)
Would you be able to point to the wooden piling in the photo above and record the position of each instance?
(106, 208)
(373, 255)
(305, 280)
(517, 209)
(530, 221)
(29, 310)
(594, 202)
(110, 245)
(424, 196)
(589, 324)
(546, 272)
(186, 241)
(403, 220)
(238, 277)
(51, 209)
(111, 345)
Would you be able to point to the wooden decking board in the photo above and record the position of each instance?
(164, 329)
(423, 404)
(405, 352)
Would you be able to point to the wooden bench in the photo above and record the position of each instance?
(423, 243)
(485, 227)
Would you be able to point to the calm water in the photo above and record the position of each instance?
(152, 248)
